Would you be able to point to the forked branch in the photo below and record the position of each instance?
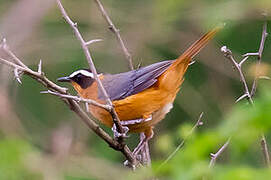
(116, 31)
(248, 94)
(84, 46)
(20, 68)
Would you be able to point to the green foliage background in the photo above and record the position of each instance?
(40, 138)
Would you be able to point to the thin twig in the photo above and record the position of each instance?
(265, 150)
(5, 47)
(93, 41)
(247, 94)
(259, 54)
(145, 150)
(198, 123)
(116, 31)
(78, 99)
(92, 68)
(228, 54)
(215, 156)
(254, 88)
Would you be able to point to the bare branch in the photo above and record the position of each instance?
(260, 51)
(218, 153)
(116, 31)
(228, 54)
(73, 106)
(198, 123)
(42, 79)
(7, 50)
(249, 95)
(78, 99)
(92, 67)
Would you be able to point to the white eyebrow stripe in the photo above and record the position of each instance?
(84, 72)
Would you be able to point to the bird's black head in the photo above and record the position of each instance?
(84, 78)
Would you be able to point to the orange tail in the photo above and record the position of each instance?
(195, 48)
(173, 77)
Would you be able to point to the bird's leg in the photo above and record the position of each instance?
(145, 152)
(148, 135)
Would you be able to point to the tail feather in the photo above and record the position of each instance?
(195, 48)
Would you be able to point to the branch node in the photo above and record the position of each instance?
(110, 27)
(227, 52)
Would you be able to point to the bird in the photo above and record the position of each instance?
(141, 97)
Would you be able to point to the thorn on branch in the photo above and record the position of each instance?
(214, 156)
(4, 43)
(241, 97)
(17, 75)
(93, 41)
(251, 54)
(243, 60)
(39, 67)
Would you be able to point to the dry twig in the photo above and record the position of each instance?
(198, 123)
(116, 31)
(145, 153)
(84, 46)
(40, 77)
(248, 94)
(20, 68)
(78, 99)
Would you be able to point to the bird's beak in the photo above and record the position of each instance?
(64, 79)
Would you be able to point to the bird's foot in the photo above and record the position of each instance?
(117, 134)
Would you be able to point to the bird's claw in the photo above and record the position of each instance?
(117, 134)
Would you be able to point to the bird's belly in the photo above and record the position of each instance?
(151, 102)
(157, 116)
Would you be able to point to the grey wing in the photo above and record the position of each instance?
(120, 86)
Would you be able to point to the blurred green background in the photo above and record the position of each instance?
(40, 138)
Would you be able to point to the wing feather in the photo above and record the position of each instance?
(120, 86)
